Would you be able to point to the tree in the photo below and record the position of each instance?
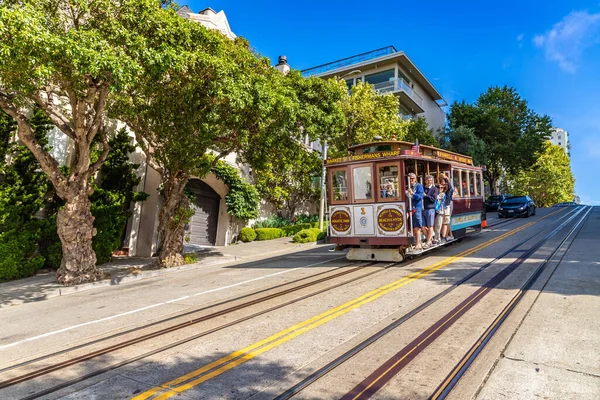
(464, 141)
(418, 129)
(24, 190)
(69, 57)
(286, 178)
(511, 131)
(218, 98)
(368, 114)
(549, 180)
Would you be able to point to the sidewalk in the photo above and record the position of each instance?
(125, 269)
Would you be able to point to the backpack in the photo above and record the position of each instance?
(439, 204)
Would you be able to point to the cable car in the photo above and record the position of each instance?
(369, 210)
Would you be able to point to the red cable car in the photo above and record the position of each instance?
(369, 210)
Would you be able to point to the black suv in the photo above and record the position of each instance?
(493, 202)
(516, 206)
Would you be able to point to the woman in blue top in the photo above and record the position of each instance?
(446, 230)
(415, 191)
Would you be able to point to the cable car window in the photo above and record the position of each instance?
(456, 183)
(464, 184)
(362, 183)
(472, 186)
(388, 182)
(339, 185)
(478, 183)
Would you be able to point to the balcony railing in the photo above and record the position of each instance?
(344, 62)
(398, 84)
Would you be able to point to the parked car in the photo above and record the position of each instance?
(516, 206)
(493, 202)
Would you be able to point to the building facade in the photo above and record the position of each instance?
(560, 137)
(390, 71)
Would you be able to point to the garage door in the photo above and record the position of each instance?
(202, 228)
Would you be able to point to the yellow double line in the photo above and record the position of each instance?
(236, 358)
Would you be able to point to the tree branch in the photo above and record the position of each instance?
(59, 120)
(26, 134)
(105, 149)
(99, 107)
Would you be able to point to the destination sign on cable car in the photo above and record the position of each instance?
(453, 157)
(363, 157)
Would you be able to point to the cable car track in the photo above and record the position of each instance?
(321, 372)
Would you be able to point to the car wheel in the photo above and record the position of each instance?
(528, 213)
(534, 210)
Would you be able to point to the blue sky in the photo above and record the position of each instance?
(548, 50)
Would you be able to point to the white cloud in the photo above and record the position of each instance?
(520, 37)
(567, 39)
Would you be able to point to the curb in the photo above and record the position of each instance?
(129, 277)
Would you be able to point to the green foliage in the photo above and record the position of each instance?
(464, 141)
(112, 197)
(272, 221)
(367, 114)
(190, 258)
(500, 119)
(242, 199)
(306, 236)
(304, 218)
(268, 233)
(23, 192)
(247, 235)
(291, 230)
(549, 180)
(418, 129)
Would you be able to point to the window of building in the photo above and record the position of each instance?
(349, 83)
(362, 183)
(380, 77)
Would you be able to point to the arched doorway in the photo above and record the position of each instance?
(202, 228)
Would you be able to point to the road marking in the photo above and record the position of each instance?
(239, 357)
(44, 335)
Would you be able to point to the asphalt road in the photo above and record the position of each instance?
(262, 356)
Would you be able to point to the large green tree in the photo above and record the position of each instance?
(511, 131)
(69, 57)
(368, 114)
(219, 98)
(285, 177)
(549, 180)
(418, 129)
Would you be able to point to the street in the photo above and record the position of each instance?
(254, 330)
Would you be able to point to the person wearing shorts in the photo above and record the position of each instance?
(415, 191)
(429, 197)
(446, 230)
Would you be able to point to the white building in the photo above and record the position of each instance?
(560, 137)
(390, 71)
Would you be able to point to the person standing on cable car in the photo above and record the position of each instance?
(446, 229)
(415, 191)
(430, 196)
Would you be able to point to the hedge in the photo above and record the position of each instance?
(268, 233)
(247, 235)
(305, 236)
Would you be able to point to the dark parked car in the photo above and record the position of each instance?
(516, 206)
(493, 202)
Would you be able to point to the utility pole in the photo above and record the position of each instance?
(323, 187)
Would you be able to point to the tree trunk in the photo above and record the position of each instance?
(172, 220)
(75, 229)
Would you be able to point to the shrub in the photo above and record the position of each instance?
(291, 230)
(247, 235)
(305, 236)
(304, 218)
(190, 258)
(268, 233)
(272, 221)
(242, 199)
